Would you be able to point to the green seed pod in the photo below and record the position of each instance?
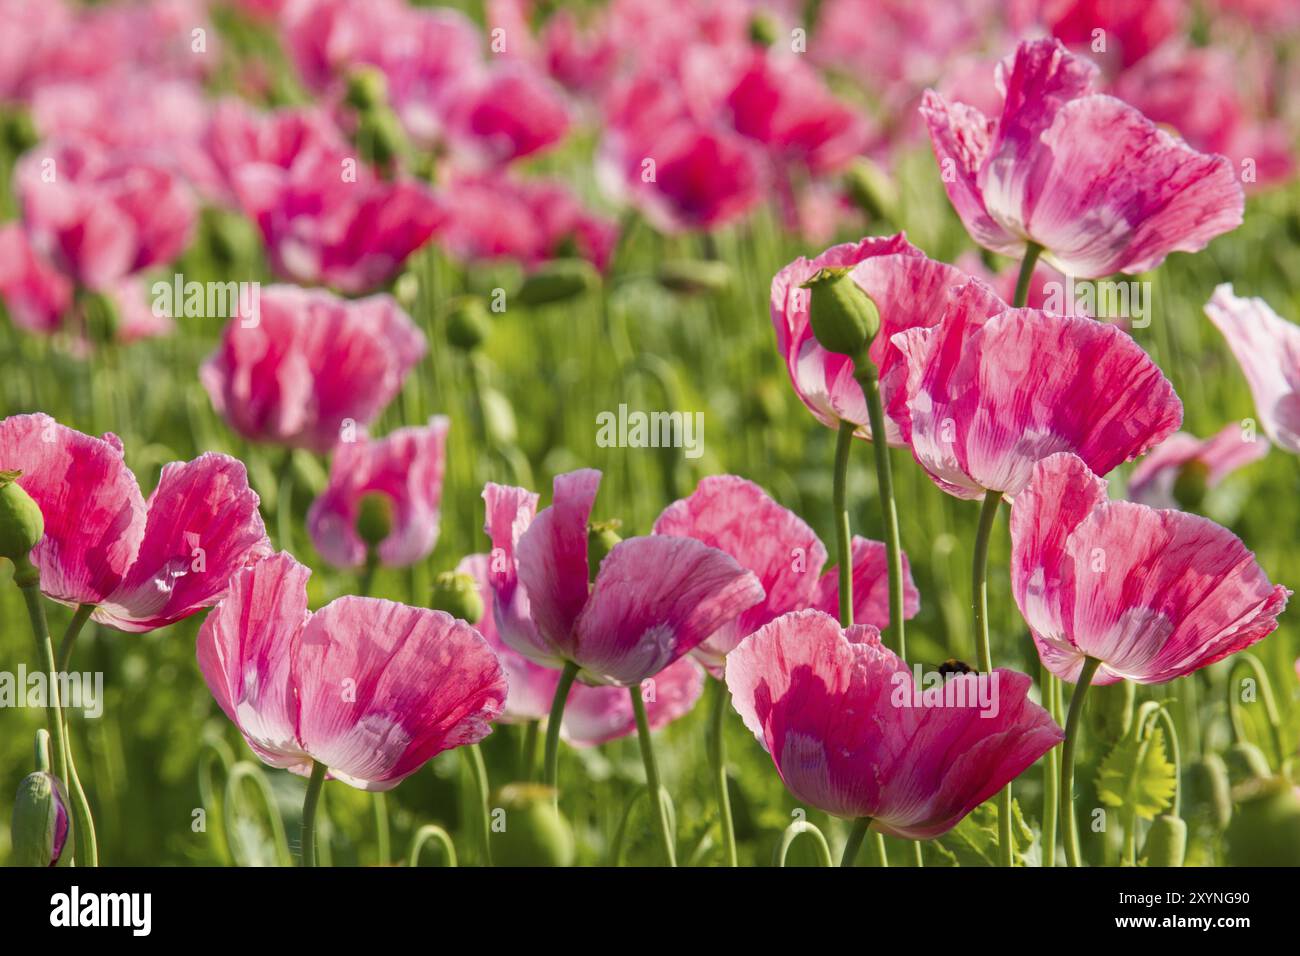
(367, 89)
(871, 189)
(374, 518)
(844, 319)
(532, 831)
(21, 521)
(695, 276)
(601, 538)
(1246, 762)
(1213, 787)
(1265, 829)
(19, 131)
(1190, 484)
(763, 30)
(41, 832)
(457, 594)
(1166, 841)
(468, 322)
(558, 281)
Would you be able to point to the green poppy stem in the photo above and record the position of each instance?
(718, 766)
(551, 764)
(652, 775)
(309, 803)
(1072, 721)
(869, 379)
(843, 541)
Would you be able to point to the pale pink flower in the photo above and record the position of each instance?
(1153, 480)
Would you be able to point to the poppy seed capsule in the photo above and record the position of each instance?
(374, 517)
(694, 276)
(367, 89)
(534, 833)
(558, 281)
(844, 318)
(457, 593)
(467, 322)
(40, 823)
(21, 521)
(1166, 841)
(1191, 483)
(1265, 829)
(601, 538)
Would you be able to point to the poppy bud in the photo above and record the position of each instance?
(557, 281)
(601, 538)
(19, 131)
(1190, 484)
(1246, 762)
(844, 319)
(763, 29)
(535, 833)
(871, 189)
(694, 277)
(41, 831)
(367, 89)
(1166, 841)
(468, 322)
(379, 137)
(374, 517)
(457, 594)
(21, 521)
(1213, 788)
(1265, 829)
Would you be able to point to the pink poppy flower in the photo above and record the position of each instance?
(986, 398)
(101, 216)
(370, 688)
(406, 466)
(653, 600)
(1151, 594)
(506, 113)
(1153, 480)
(580, 61)
(309, 367)
(143, 564)
(908, 289)
(1037, 173)
(37, 295)
(737, 516)
(1130, 30)
(850, 734)
(1267, 348)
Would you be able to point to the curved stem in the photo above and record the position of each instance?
(235, 778)
(718, 761)
(797, 829)
(79, 619)
(551, 762)
(1266, 695)
(980, 591)
(856, 836)
(479, 775)
(1072, 721)
(309, 803)
(423, 835)
(1032, 252)
(843, 545)
(652, 774)
(869, 378)
(1050, 685)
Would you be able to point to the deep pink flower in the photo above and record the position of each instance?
(1130, 30)
(504, 114)
(238, 135)
(494, 215)
(144, 565)
(1152, 482)
(1087, 177)
(653, 600)
(407, 467)
(370, 688)
(909, 290)
(1151, 594)
(1267, 348)
(100, 216)
(581, 61)
(37, 295)
(830, 706)
(986, 398)
(737, 516)
(310, 367)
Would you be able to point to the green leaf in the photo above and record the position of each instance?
(974, 841)
(1137, 774)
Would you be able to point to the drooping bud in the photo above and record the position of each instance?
(601, 538)
(468, 322)
(1166, 841)
(1191, 483)
(457, 594)
(1246, 762)
(41, 830)
(533, 831)
(374, 518)
(872, 190)
(1212, 787)
(695, 276)
(1265, 829)
(558, 281)
(844, 319)
(21, 521)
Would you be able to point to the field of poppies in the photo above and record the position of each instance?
(653, 432)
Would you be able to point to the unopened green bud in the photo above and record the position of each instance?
(41, 829)
(1166, 841)
(21, 521)
(533, 832)
(19, 131)
(379, 137)
(457, 594)
(1213, 788)
(763, 29)
(844, 319)
(1191, 483)
(468, 322)
(558, 281)
(367, 89)
(1265, 829)
(374, 518)
(406, 290)
(498, 417)
(601, 538)
(872, 190)
(695, 276)
(1246, 762)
